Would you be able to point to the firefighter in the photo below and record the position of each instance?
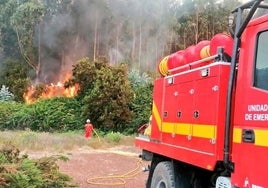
(88, 128)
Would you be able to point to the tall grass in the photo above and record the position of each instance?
(60, 142)
(29, 140)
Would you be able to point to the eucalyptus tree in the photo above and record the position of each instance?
(56, 36)
(23, 21)
(141, 30)
(202, 19)
(8, 39)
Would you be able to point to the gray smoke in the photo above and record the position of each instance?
(134, 30)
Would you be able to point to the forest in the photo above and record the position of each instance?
(64, 61)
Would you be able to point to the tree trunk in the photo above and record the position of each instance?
(171, 42)
(62, 68)
(207, 30)
(98, 45)
(39, 43)
(184, 39)
(117, 43)
(95, 35)
(35, 67)
(133, 42)
(197, 26)
(156, 53)
(140, 47)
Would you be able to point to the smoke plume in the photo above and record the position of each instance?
(133, 31)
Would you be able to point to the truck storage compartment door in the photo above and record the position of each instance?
(204, 114)
(178, 105)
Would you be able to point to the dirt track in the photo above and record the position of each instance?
(87, 165)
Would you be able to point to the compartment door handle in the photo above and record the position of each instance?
(248, 136)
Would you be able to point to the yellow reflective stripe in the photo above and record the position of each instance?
(197, 130)
(168, 127)
(261, 137)
(156, 116)
(183, 129)
(204, 131)
(237, 135)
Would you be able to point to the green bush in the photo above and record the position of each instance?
(113, 137)
(105, 93)
(57, 114)
(113, 102)
(20, 118)
(19, 171)
(14, 75)
(6, 111)
(141, 107)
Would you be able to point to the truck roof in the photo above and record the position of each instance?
(257, 20)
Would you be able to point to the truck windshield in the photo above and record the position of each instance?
(261, 64)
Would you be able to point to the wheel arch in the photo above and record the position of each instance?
(186, 175)
(156, 159)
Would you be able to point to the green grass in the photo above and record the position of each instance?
(114, 137)
(60, 142)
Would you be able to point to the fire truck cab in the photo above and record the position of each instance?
(209, 123)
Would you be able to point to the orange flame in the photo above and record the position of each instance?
(50, 91)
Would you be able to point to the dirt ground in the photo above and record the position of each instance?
(114, 167)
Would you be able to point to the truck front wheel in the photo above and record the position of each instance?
(163, 176)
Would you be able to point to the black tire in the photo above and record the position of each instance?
(163, 176)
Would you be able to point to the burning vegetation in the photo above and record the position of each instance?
(43, 91)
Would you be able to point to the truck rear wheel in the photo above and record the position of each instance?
(163, 176)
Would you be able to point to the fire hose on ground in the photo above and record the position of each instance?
(112, 180)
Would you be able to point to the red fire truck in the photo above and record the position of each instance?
(209, 124)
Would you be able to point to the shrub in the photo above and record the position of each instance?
(20, 171)
(5, 95)
(114, 137)
(7, 108)
(142, 104)
(57, 114)
(141, 108)
(139, 79)
(14, 74)
(105, 92)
